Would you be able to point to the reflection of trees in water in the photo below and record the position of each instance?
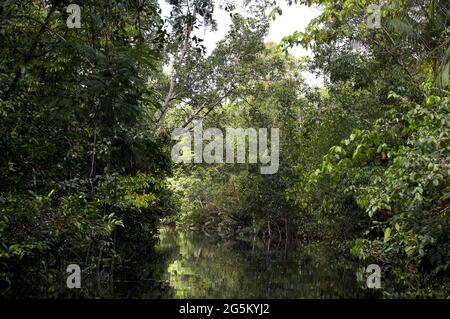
(140, 274)
(196, 266)
(205, 268)
(135, 270)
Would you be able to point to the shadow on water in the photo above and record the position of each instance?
(195, 265)
(136, 271)
(204, 267)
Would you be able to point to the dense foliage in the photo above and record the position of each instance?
(81, 171)
(85, 121)
(386, 185)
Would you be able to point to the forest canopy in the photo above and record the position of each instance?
(87, 112)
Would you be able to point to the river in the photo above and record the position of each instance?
(179, 264)
(200, 266)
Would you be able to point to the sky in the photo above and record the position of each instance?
(293, 18)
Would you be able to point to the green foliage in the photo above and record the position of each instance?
(84, 167)
(228, 198)
(80, 170)
(378, 176)
(403, 186)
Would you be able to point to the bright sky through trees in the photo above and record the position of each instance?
(294, 18)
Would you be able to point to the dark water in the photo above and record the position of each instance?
(202, 267)
(195, 265)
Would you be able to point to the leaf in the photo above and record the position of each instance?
(357, 248)
(387, 233)
(358, 151)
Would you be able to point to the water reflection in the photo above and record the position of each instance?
(195, 265)
(205, 267)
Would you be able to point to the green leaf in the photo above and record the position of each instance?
(387, 233)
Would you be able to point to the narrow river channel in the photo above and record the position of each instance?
(200, 266)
